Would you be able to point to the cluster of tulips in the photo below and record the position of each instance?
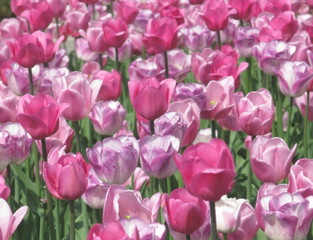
(156, 119)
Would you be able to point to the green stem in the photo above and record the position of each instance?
(117, 63)
(279, 113)
(249, 187)
(58, 29)
(224, 236)
(213, 221)
(77, 134)
(31, 85)
(57, 219)
(166, 64)
(289, 120)
(93, 12)
(151, 185)
(219, 42)
(16, 190)
(213, 129)
(151, 127)
(42, 227)
(168, 185)
(100, 60)
(188, 237)
(132, 181)
(305, 128)
(249, 79)
(72, 220)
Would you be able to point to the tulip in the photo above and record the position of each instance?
(127, 10)
(10, 28)
(9, 221)
(173, 12)
(121, 203)
(273, 6)
(95, 37)
(216, 14)
(115, 32)
(300, 179)
(219, 99)
(140, 69)
(60, 59)
(95, 191)
(107, 117)
(156, 155)
(110, 231)
(243, 8)
(214, 65)
(150, 98)
(83, 50)
(283, 215)
(160, 35)
(121, 152)
(185, 213)
(256, 112)
(301, 102)
(39, 16)
(4, 189)
(140, 178)
(66, 176)
(19, 6)
(39, 115)
(245, 39)
(8, 105)
(124, 52)
(294, 78)
(15, 144)
(47, 78)
(75, 90)
(62, 137)
(57, 7)
(213, 169)
(271, 158)
(270, 55)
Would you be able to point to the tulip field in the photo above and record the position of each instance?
(156, 119)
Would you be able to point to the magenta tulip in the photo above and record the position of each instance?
(109, 231)
(207, 169)
(115, 32)
(185, 213)
(127, 10)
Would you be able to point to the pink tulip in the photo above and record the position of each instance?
(150, 98)
(160, 35)
(109, 231)
(19, 6)
(95, 191)
(156, 155)
(173, 12)
(47, 77)
(121, 203)
(121, 152)
(271, 158)
(127, 10)
(4, 189)
(115, 32)
(270, 55)
(185, 213)
(75, 90)
(256, 112)
(57, 7)
(15, 144)
(39, 16)
(140, 178)
(228, 211)
(301, 103)
(62, 137)
(181, 120)
(244, 8)
(60, 60)
(65, 176)
(140, 69)
(10, 28)
(39, 115)
(124, 52)
(214, 65)
(107, 117)
(294, 78)
(246, 38)
(213, 169)
(9, 221)
(219, 99)
(273, 6)
(283, 215)
(300, 179)
(8, 105)
(248, 224)
(216, 14)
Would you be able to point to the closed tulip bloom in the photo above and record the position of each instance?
(256, 112)
(156, 155)
(10, 28)
(75, 90)
(228, 211)
(94, 36)
(207, 169)
(300, 178)
(282, 215)
(271, 158)
(39, 16)
(107, 117)
(19, 6)
(219, 99)
(39, 115)
(115, 32)
(127, 10)
(111, 87)
(185, 213)
(150, 98)
(270, 55)
(243, 8)
(4, 189)
(95, 191)
(8, 105)
(15, 144)
(160, 35)
(216, 14)
(294, 78)
(248, 224)
(57, 7)
(9, 221)
(246, 37)
(67, 176)
(121, 203)
(114, 159)
(109, 231)
(140, 69)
